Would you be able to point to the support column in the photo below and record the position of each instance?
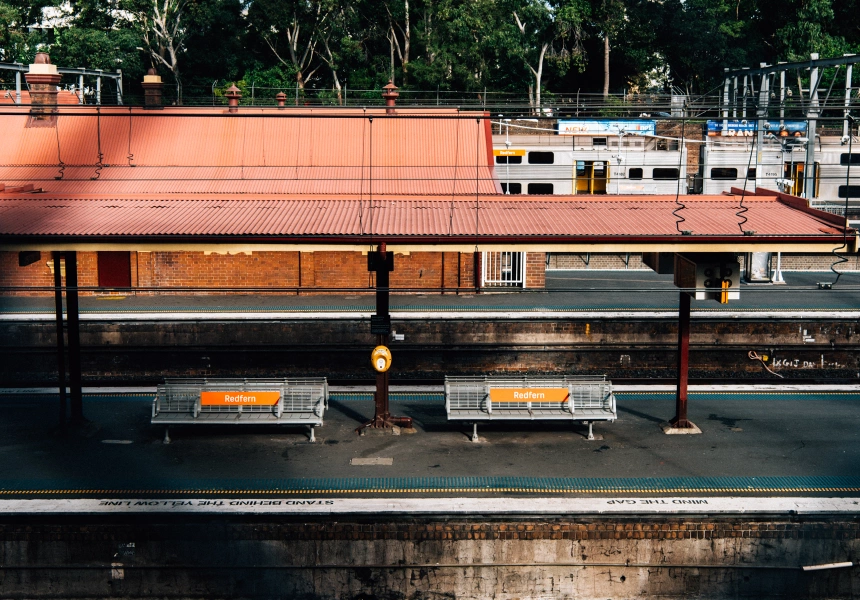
(812, 115)
(74, 332)
(680, 423)
(61, 344)
(680, 419)
(382, 263)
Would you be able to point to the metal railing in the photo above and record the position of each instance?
(503, 269)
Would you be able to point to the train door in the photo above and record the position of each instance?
(590, 177)
(795, 172)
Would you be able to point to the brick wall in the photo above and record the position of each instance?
(343, 270)
(789, 262)
(586, 261)
(40, 273)
(535, 270)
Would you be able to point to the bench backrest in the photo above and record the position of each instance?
(295, 395)
(473, 393)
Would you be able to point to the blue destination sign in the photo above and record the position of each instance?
(736, 128)
(606, 126)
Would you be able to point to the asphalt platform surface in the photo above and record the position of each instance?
(753, 443)
(565, 290)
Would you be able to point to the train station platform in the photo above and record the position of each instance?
(756, 442)
(616, 293)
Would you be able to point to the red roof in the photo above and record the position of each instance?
(256, 151)
(556, 218)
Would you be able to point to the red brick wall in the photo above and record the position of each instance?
(39, 273)
(535, 270)
(36, 275)
(331, 269)
(198, 269)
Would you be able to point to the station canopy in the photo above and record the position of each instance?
(304, 179)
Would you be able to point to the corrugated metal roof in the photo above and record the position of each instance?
(255, 151)
(488, 216)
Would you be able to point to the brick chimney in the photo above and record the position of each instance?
(233, 94)
(152, 87)
(281, 98)
(390, 94)
(43, 80)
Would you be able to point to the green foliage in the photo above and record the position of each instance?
(453, 45)
(17, 43)
(96, 49)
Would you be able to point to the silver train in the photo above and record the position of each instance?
(621, 162)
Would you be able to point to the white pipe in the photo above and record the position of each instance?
(839, 565)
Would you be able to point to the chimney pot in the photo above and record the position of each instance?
(152, 86)
(233, 94)
(281, 99)
(390, 94)
(43, 79)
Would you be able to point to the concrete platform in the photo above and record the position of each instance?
(753, 444)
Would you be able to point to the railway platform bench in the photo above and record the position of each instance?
(483, 398)
(240, 402)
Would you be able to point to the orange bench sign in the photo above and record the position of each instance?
(239, 398)
(528, 394)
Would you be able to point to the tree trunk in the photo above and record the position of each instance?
(605, 65)
(337, 87)
(538, 76)
(407, 36)
(391, 43)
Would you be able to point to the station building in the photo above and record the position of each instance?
(243, 199)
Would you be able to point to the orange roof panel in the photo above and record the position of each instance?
(133, 151)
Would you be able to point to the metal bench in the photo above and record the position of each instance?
(240, 402)
(586, 399)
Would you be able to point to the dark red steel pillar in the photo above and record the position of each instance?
(680, 420)
(382, 263)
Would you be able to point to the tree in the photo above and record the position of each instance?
(292, 31)
(17, 42)
(541, 26)
(162, 28)
(398, 27)
(701, 37)
(610, 15)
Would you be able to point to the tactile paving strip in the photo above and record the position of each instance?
(447, 485)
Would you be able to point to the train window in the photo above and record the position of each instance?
(516, 188)
(635, 173)
(541, 158)
(509, 160)
(849, 159)
(540, 188)
(666, 173)
(724, 173)
(849, 191)
(580, 168)
(598, 141)
(751, 173)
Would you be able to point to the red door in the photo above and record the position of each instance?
(114, 269)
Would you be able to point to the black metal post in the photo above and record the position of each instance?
(61, 344)
(74, 333)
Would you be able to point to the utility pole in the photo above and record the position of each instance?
(811, 115)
